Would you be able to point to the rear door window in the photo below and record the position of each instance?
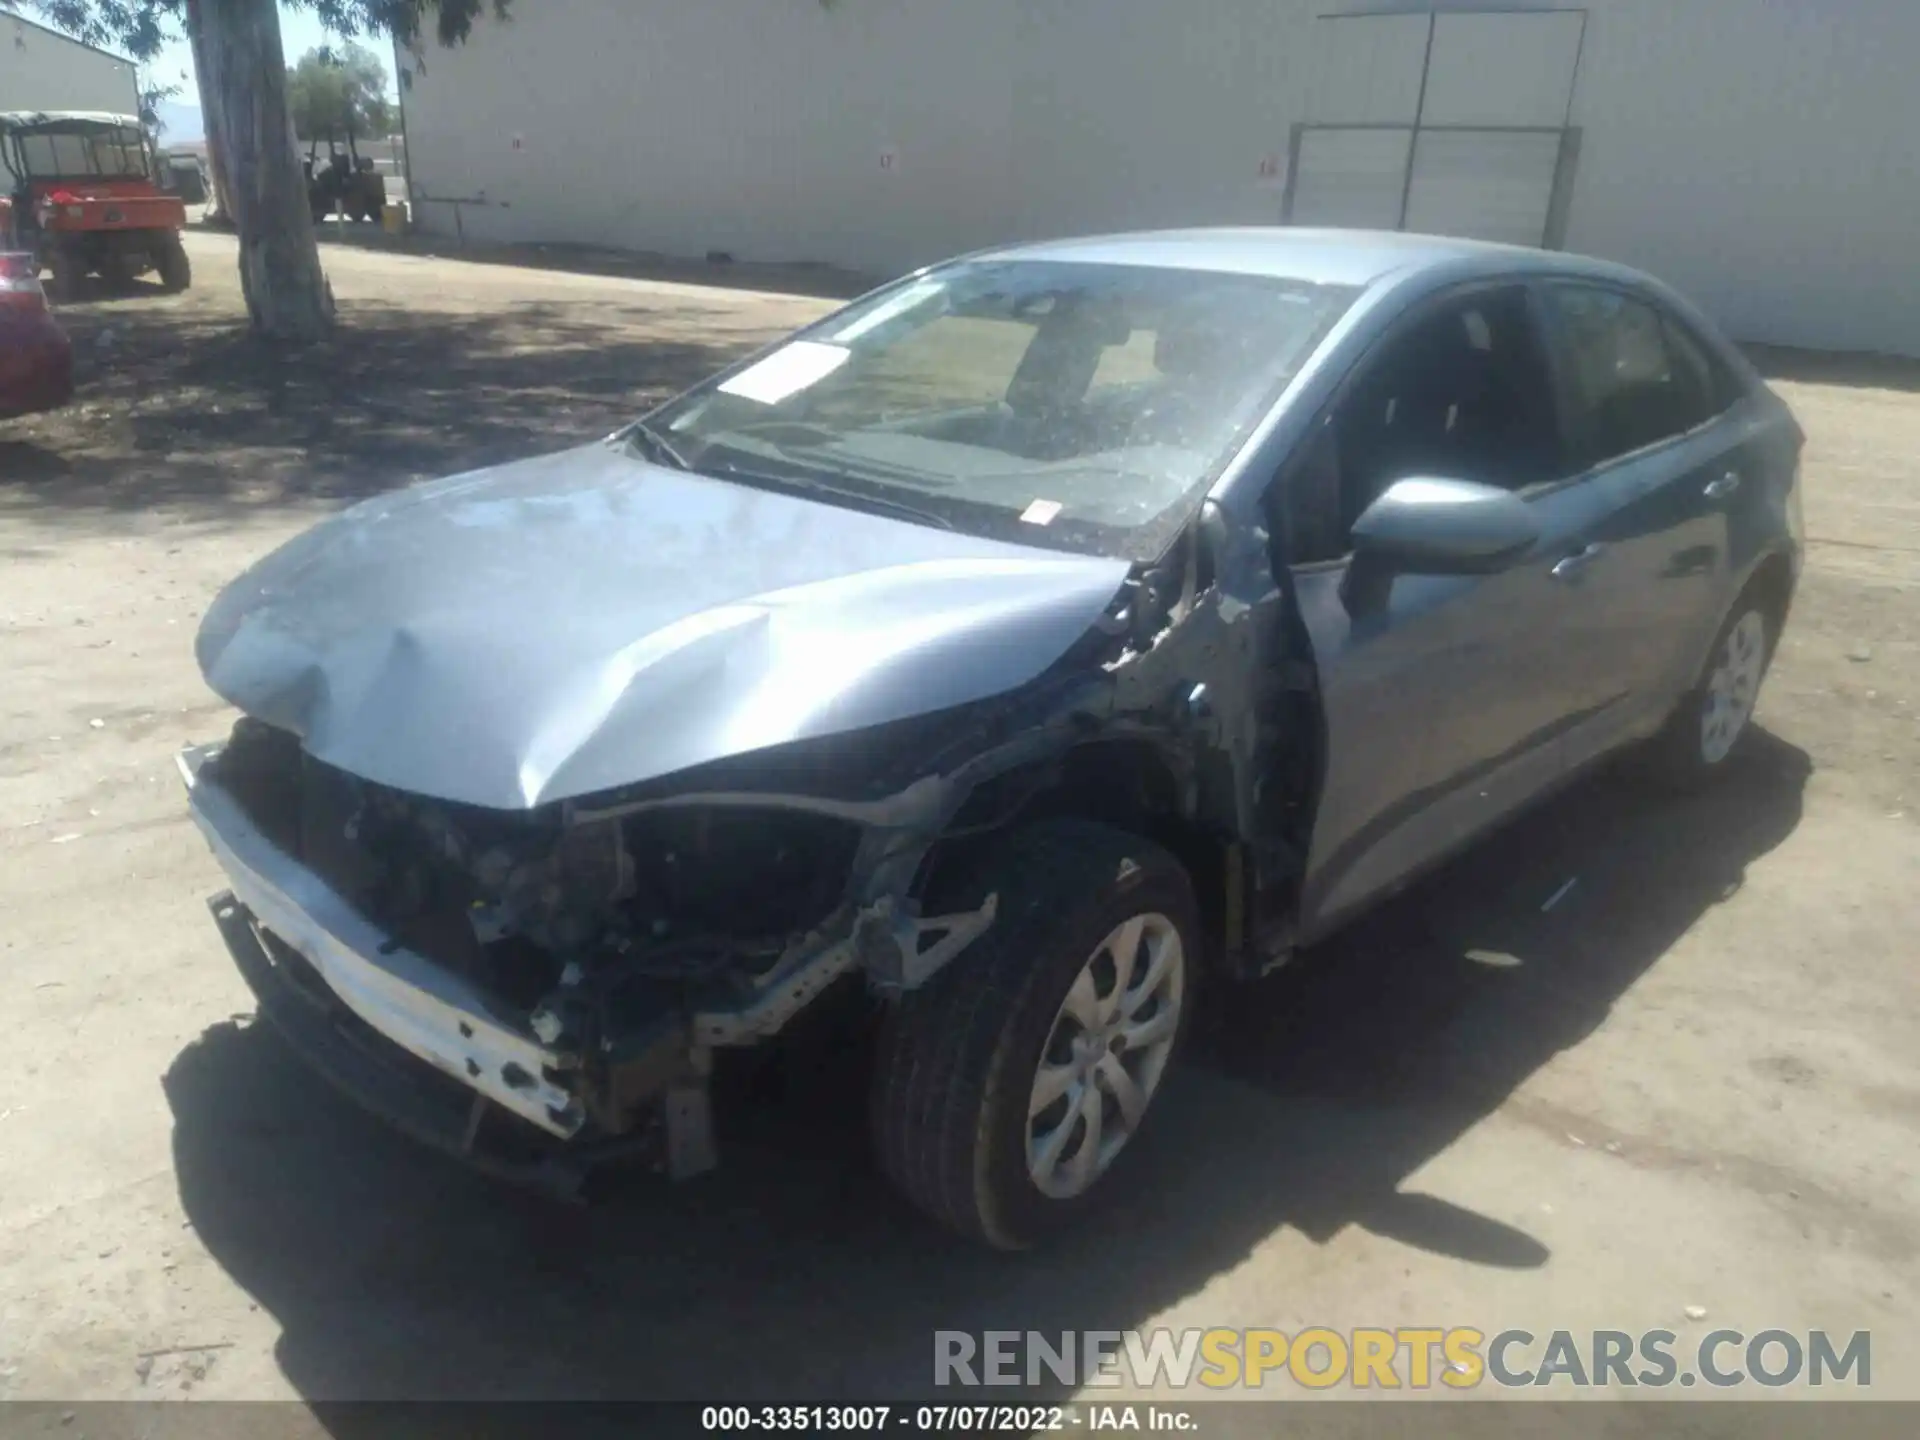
(1634, 378)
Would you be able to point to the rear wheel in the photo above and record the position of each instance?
(1705, 730)
(1014, 1082)
(170, 258)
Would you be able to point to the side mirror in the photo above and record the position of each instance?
(1444, 527)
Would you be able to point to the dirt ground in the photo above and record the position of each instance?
(1687, 1096)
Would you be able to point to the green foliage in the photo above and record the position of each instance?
(137, 27)
(339, 92)
(152, 97)
(408, 21)
(140, 27)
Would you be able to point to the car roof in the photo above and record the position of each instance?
(1328, 257)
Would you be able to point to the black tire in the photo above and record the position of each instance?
(957, 1059)
(1681, 756)
(176, 271)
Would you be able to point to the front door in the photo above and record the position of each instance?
(1446, 697)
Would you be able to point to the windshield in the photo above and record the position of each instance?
(1077, 406)
(118, 153)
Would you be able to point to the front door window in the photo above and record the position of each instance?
(1464, 395)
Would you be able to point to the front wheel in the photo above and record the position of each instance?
(1015, 1081)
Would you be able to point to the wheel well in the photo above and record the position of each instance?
(1772, 585)
(1131, 785)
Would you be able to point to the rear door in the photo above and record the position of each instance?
(1650, 419)
(1446, 697)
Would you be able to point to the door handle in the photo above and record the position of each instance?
(1724, 486)
(1574, 565)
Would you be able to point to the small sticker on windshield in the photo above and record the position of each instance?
(1041, 512)
(788, 371)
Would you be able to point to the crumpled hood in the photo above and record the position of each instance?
(585, 620)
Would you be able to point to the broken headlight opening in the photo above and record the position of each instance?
(625, 944)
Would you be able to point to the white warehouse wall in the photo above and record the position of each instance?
(43, 70)
(1132, 114)
(1757, 153)
(759, 127)
(1762, 155)
(752, 126)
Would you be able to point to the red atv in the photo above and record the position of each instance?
(84, 199)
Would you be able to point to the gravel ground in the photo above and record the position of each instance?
(1687, 1096)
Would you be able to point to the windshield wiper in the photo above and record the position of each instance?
(658, 446)
(808, 485)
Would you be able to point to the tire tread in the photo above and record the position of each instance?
(940, 1054)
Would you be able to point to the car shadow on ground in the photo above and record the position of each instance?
(794, 1273)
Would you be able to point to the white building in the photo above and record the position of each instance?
(1764, 155)
(41, 69)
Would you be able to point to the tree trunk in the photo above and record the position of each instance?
(216, 150)
(244, 75)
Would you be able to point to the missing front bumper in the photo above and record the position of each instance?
(414, 1041)
(427, 1106)
(419, 1006)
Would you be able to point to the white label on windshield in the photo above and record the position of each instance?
(788, 371)
(1041, 512)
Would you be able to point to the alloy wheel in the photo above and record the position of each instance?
(1733, 686)
(1105, 1055)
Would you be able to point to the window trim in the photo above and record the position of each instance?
(1727, 390)
(1665, 315)
(1410, 319)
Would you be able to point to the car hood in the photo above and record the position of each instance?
(585, 620)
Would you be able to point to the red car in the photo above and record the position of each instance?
(36, 358)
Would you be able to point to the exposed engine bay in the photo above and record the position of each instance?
(520, 901)
(625, 945)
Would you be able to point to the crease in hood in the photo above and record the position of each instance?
(565, 625)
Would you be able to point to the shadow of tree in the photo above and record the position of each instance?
(818, 279)
(23, 462)
(793, 1273)
(190, 412)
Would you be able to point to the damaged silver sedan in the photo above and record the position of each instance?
(1031, 643)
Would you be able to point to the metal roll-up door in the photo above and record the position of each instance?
(1483, 184)
(1445, 123)
(1350, 177)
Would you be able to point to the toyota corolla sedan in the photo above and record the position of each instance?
(1034, 642)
